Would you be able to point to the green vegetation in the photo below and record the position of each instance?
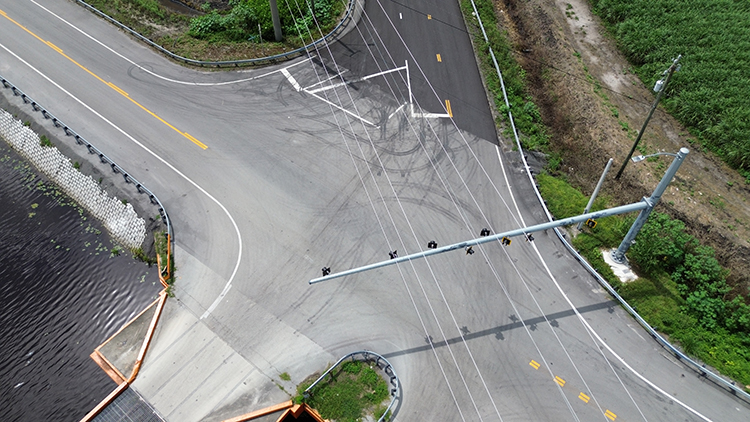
(709, 93)
(533, 133)
(285, 376)
(140, 254)
(251, 20)
(682, 290)
(161, 245)
(115, 251)
(350, 391)
(45, 142)
(242, 31)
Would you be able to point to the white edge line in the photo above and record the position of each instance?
(156, 74)
(583, 320)
(236, 229)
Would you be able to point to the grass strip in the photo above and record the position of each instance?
(681, 290)
(351, 391)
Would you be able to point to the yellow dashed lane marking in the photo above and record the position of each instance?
(584, 397)
(448, 108)
(560, 381)
(109, 84)
(610, 415)
(439, 58)
(534, 364)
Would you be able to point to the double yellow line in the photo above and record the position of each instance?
(109, 84)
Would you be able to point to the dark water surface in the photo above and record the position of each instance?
(62, 293)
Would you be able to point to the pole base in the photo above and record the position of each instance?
(621, 269)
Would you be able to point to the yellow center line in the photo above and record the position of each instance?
(439, 58)
(54, 47)
(610, 415)
(534, 364)
(109, 84)
(118, 89)
(584, 397)
(429, 16)
(448, 108)
(560, 381)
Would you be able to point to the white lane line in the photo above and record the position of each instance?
(163, 161)
(397, 110)
(400, 16)
(338, 75)
(342, 109)
(291, 80)
(374, 75)
(152, 73)
(428, 115)
(582, 319)
(411, 100)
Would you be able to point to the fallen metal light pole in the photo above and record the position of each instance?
(645, 206)
(492, 238)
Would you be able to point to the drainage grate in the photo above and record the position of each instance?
(129, 406)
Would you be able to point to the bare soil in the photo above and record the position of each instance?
(566, 51)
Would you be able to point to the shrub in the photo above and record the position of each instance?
(661, 244)
(206, 25)
(700, 271)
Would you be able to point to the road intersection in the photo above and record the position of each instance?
(302, 171)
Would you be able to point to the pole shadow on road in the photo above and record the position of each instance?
(498, 331)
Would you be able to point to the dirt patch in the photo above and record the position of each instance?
(594, 106)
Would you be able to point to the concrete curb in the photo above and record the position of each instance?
(262, 412)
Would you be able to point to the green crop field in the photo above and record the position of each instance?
(711, 93)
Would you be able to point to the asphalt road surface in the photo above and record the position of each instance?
(271, 174)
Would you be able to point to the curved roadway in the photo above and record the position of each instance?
(300, 171)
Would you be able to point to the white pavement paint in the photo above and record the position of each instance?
(156, 74)
(622, 271)
(582, 319)
(163, 161)
(374, 75)
(291, 79)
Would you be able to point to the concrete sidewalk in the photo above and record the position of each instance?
(190, 373)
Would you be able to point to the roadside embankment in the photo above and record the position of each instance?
(83, 172)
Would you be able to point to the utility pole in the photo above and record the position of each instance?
(660, 87)
(276, 20)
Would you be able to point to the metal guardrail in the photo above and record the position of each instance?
(92, 150)
(367, 356)
(258, 61)
(661, 340)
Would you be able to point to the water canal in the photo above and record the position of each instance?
(64, 289)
